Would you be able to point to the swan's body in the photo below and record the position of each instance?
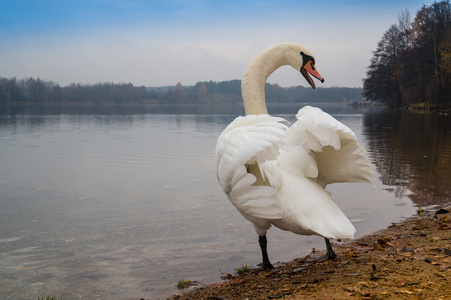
(276, 175)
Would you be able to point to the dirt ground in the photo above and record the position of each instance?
(409, 260)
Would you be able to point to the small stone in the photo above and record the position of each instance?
(298, 270)
(441, 211)
(407, 249)
(428, 260)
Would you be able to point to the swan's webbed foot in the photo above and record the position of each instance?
(329, 255)
(321, 258)
(330, 252)
(266, 263)
(267, 266)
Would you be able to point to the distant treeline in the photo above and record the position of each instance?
(224, 92)
(412, 62)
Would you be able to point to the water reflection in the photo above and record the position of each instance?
(133, 109)
(116, 109)
(122, 201)
(412, 152)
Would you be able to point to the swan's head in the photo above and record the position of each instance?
(301, 59)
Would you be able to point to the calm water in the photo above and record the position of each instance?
(121, 202)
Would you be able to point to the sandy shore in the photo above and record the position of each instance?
(408, 260)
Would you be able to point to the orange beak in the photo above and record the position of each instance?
(310, 68)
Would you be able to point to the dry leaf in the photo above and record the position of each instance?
(363, 283)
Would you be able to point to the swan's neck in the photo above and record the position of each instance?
(254, 79)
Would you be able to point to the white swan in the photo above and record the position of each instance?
(275, 174)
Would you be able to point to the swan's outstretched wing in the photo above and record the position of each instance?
(333, 146)
(244, 144)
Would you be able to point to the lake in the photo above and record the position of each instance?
(121, 202)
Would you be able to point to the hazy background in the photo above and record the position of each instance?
(155, 43)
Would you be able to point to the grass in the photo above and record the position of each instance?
(242, 270)
(183, 284)
(419, 210)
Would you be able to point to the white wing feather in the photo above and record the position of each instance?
(249, 140)
(333, 146)
(270, 172)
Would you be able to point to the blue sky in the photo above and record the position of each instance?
(156, 43)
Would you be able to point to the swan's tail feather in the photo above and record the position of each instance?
(307, 204)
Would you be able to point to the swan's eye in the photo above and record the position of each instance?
(306, 58)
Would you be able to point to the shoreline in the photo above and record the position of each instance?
(407, 260)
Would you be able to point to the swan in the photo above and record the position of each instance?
(276, 175)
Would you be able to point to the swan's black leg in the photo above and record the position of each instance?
(263, 242)
(329, 255)
(330, 252)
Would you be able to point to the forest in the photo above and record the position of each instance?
(411, 65)
(32, 90)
